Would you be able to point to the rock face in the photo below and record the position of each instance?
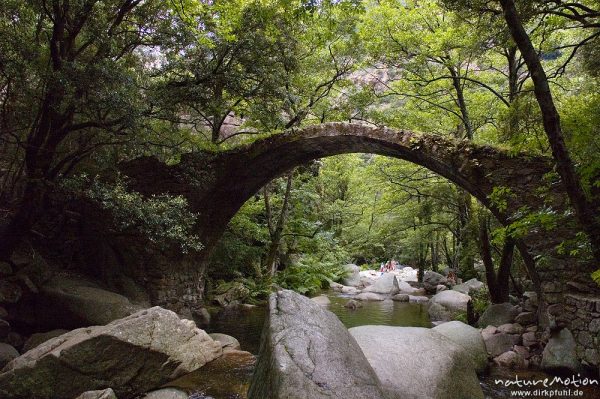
(469, 338)
(560, 353)
(66, 302)
(386, 284)
(415, 363)
(446, 304)
(497, 315)
(306, 352)
(131, 355)
(353, 277)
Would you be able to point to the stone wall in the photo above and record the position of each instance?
(583, 313)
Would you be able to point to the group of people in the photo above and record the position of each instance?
(388, 266)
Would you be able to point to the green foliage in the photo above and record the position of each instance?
(579, 246)
(178, 77)
(461, 316)
(258, 289)
(164, 220)
(310, 275)
(480, 300)
(500, 197)
(596, 276)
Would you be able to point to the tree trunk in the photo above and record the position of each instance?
(584, 209)
(466, 260)
(462, 104)
(276, 232)
(498, 282)
(19, 226)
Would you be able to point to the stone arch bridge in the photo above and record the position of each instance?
(216, 185)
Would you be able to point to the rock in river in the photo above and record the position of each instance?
(353, 277)
(497, 315)
(306, 352)
(469, 338)
(386, 284)
(447, 304)
(417, 363)
(131, 355)
(560, 353)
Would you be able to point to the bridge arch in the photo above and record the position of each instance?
(217, 184)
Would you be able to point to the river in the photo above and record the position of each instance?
(223, 380)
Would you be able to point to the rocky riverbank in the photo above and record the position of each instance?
(510, 332)
(130, 357)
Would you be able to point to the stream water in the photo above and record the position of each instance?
(230, 378)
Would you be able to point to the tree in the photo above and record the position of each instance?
(586, 210)
(70, 85)
(497, 281)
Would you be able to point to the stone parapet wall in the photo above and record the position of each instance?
(583, 313)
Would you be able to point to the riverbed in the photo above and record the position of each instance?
(230, 380)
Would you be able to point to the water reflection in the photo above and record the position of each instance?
(388, 313)
(242, 322)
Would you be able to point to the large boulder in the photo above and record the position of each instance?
(560, 353)
(497, 344)
(69, 302)
(415, 363)
(469, 338)
(352, 279)
(469, 286)
(386, 284)
(407, 273)
(406, 288)
(498, 314)
(431, 280)
(445, 305)
(131, 355)
(306, 352)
